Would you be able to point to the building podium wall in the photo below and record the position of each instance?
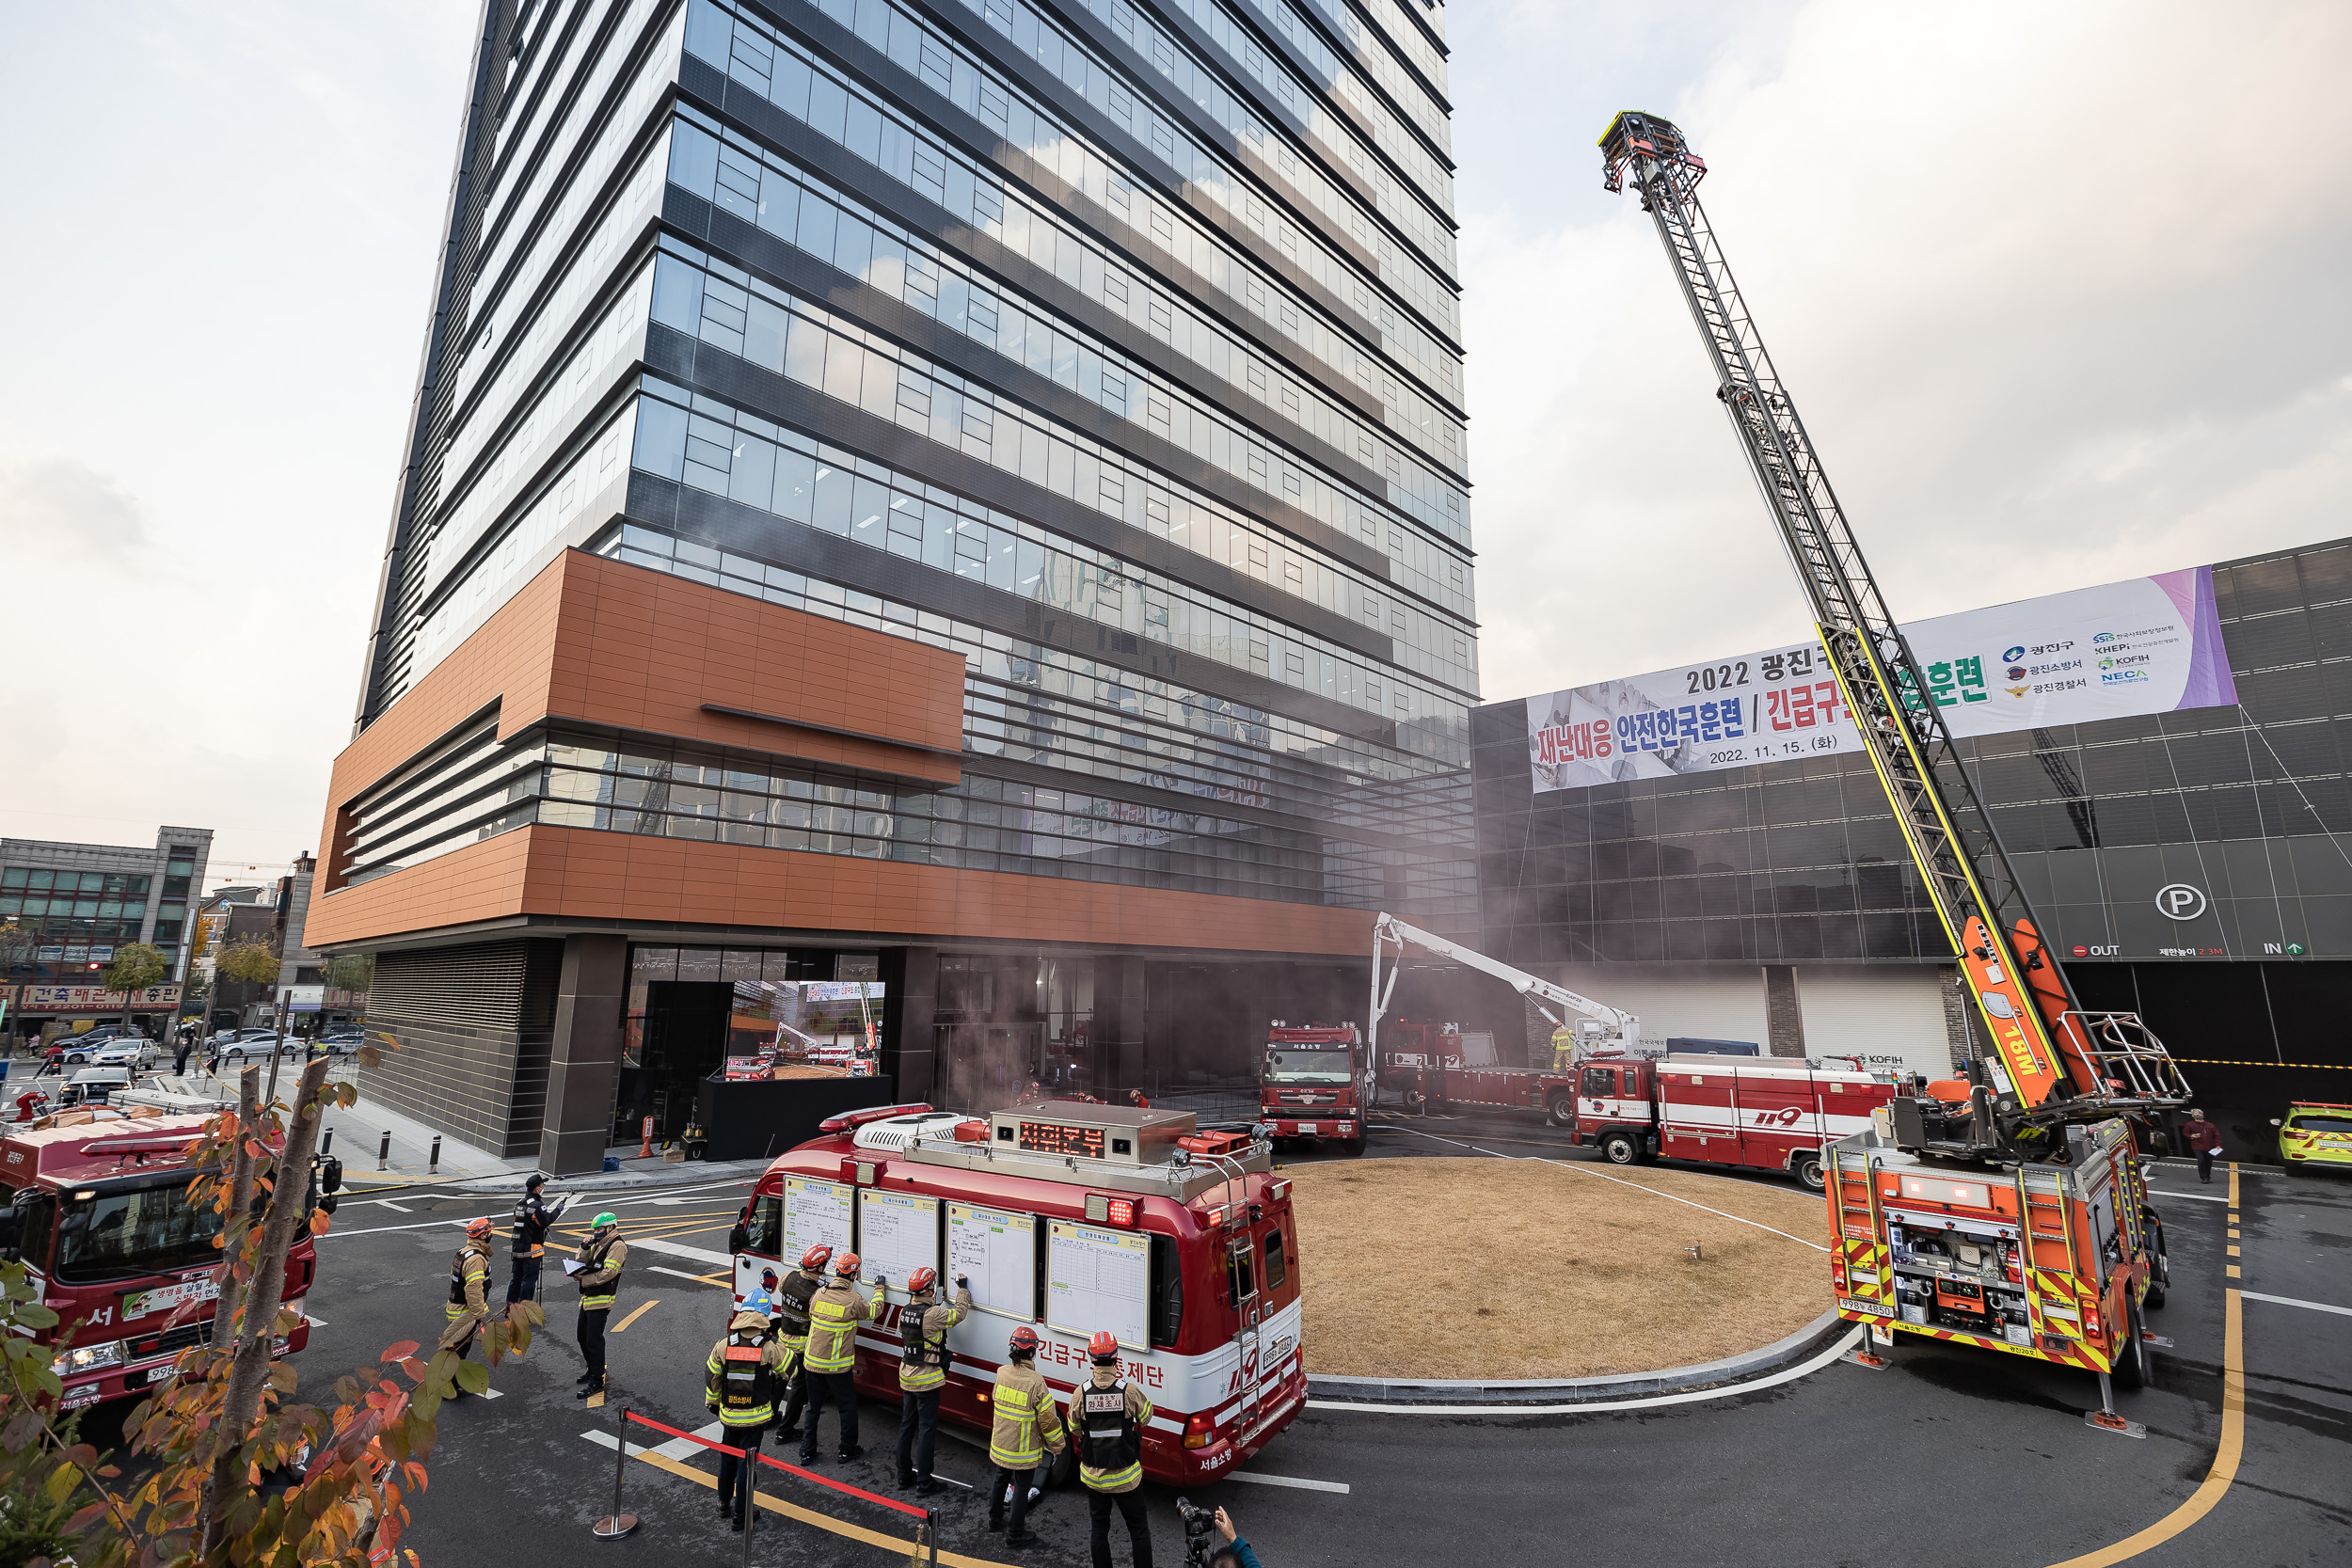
(586, 1056)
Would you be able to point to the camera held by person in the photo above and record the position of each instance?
(1210, 1541)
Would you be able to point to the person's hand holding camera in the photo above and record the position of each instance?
(1225, 1525)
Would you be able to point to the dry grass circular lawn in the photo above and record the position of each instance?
(1482, 1268)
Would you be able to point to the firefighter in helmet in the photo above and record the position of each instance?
(598, 1276)
(1027, 1426)
(922, 1369)
(739, 1383)
(830, 1359)
(791, 1306)
(468, 1288)
(1562, 1049)
(1108, 1415)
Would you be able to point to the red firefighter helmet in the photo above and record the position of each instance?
(477, 1228)
(1103, 1346)
(1024, 1342)
(814, 1258)
(846, 1265)
(921, 1280)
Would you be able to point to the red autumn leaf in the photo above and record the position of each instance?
(400, 1351)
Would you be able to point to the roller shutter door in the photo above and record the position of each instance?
(1891, 1016)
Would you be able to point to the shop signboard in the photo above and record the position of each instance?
(2120, 650)
(78, 999)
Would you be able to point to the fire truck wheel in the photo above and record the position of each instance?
(1807, 1171)
(1062, 1468)
(1619, 1148)
(2131, 1369)
(1560, 1111)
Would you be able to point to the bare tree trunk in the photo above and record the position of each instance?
(257, 1324)
(240, 1202)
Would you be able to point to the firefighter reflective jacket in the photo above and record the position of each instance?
(740, 1379)
(923, 1335)
(1027, 1421)
(1107, 1421)
(799, 1288)
(532, 1219)
(1562, 1049)
(599, 1280)
(469, 1293)
(833, 1320)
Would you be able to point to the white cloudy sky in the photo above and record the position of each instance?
(2059, 288)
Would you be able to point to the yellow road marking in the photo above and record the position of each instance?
(623, 1325)
(2233, 1187)
(896, 1545)
(2225, 1459)
(2234, 1274)
(715, 1279)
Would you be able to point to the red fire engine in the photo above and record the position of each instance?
(98, 1213)
(1315, 1082)
(1768, 1113)
(1068, 1218)
(2007, 1211)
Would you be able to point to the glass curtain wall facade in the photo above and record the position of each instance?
(1116, 349)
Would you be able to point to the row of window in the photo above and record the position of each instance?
(1403, 144)
(49, 881)
(727, 452)
(1422, 744)
(1417, 209)
(732, 173)
(815, 93)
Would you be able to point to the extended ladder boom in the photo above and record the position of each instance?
(2055, 1061)
(1621, 1031)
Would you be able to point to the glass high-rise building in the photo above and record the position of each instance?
(967, 497)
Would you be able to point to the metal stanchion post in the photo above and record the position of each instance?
(751, 1494)
(618, 1524)
(384, 1151)
(931, 1534)
(433, 1165)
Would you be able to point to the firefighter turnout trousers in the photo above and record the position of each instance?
(1130, 1506)
(841, 1388)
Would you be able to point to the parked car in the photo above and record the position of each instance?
(255, 1042)
(342, 1042)
(77, 1049)
(2315, 1134)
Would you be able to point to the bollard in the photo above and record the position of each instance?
(931, 1534)
(618, 1524)
(327, 1141)
(383, 1152)
(433, 1165)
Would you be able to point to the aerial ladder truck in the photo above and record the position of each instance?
(2005, 1208)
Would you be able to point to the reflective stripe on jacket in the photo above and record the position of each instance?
(1027, 1422)
(929, 1322)
(833, 1320)
(745, 1369)
(1136, 1407)
(600, 1281)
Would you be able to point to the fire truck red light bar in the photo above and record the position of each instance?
(1924, 1188)
(848, 1120)
(1104, 1210)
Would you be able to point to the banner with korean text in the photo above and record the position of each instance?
(2120, 650)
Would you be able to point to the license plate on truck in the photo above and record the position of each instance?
(1875, 1309)
(1310, 1127)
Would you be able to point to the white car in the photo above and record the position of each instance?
(129, 1050)
(256, 1042)
(94, 1085)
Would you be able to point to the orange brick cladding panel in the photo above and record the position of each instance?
(580, 874)
(613, 644)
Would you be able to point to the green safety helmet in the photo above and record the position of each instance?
(608, 1218)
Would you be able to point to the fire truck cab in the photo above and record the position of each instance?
(1068, 1218)
(2046, 1259)
(1315, 1082)
(97, 1210)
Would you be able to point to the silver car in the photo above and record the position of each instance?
(125, 1051)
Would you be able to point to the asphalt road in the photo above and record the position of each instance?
(1952, 1458)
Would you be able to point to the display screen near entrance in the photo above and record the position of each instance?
(1053, 1137)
